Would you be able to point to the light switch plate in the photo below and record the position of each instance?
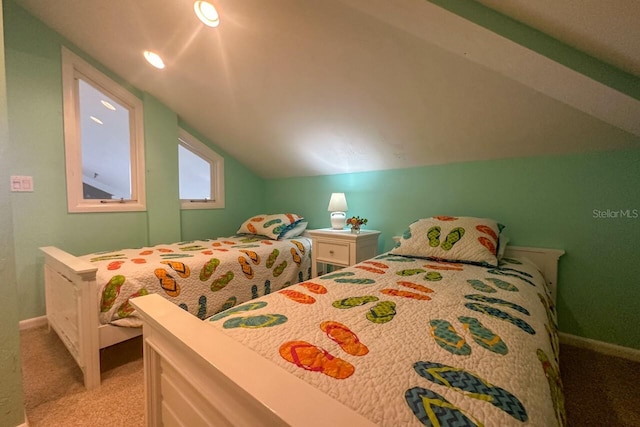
(21, 183)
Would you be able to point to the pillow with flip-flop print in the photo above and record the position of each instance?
(272, 226)
(456, 239)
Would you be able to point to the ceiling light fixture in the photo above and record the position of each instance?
(108, 105)
(207, 13)
(97, 120)
(154, 59)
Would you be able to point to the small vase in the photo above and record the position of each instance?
(355, 230)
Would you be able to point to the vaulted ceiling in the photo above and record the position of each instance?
(307, 87)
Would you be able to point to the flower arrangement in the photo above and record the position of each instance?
(356, 222)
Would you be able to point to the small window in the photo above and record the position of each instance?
(104, 143)
(201, 172)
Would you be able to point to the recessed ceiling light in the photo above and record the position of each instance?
(97, 120)
(207, 13)
(108, 105)
(154, 59)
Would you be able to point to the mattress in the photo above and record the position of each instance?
(201, 276)
(407, 341)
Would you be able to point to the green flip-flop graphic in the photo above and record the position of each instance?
(483, 336)
(433, 276)
(502, 284)
(354, 301)
(448, 338)
(382, 312)
(255, 322)
(434, 236)
(202, 307)
(407, 234)
(334, 275)
(230, 302)
(434, 410)
(356, 281)
(479, 285)
(452, 238)
(410, 272)
(498, 301)
(555, 386)
(504, 273)
(472, 386)
(395, 258)
(499, 314)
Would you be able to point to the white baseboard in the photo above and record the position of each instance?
(601, 347)
(26, 421)
(32, 323)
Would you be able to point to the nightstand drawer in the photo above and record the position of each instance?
(341, 248)
(332, 253)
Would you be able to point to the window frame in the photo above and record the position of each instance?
(216, 162)
(74, 68)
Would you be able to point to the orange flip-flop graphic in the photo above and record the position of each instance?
(312, 358)
(314, 287)
(405, 294)
(298, 296)
(114, 265)
(346, 339)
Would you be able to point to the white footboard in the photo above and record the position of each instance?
(72, 311)
(195, 375)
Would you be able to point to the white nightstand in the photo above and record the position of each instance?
(341, 247)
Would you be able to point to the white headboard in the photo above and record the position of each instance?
(545, 259)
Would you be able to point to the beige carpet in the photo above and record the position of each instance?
(55, 394)
(600, 390)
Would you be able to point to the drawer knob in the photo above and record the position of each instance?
(331, 252)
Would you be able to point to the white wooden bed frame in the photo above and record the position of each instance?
(190, 381)
(73, 306)
(72, 311)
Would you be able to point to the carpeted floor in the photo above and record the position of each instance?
(54, 391)
(600, 390)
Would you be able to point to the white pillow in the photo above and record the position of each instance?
(271, 226)
(457, 239)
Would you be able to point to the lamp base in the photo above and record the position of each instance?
(338, 220)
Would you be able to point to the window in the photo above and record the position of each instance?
(201, 172)
(104, 142)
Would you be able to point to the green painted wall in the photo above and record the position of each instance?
(245, 196)
(11, 399)
(544, 201)
(161, 157)
(34, 93)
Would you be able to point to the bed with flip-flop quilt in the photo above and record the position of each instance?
(442, 330)
(202, 277)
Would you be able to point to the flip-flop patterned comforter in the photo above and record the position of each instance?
(416, 342)
(201, 276)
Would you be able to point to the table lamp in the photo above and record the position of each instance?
(338, 207)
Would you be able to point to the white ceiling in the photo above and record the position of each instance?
(609, 29)
(308, 87)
